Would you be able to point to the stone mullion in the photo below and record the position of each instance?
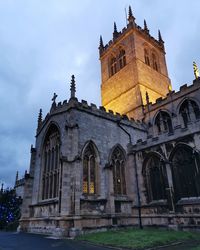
(149, 188)
(89, 174)
(49, 173)
(43, 186)
(57, 171)
(121, 178)
(53, 174)
(171, 186)
(191, 111)
(57, 186)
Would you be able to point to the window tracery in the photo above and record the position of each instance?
(155, 176)
(50, 174)
(188, 110)
(122, 58)
(154, 62)
(146, 57)
(163, 122)
(186, 172)
(89, 170)
(117, 62)
(118, 165)
(113, 66)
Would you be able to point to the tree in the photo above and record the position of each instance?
(9, 209)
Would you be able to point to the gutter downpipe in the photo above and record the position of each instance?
(138, 192)
(136, 178)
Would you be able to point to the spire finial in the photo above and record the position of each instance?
(17, 176)
(160, 37)
(115, 27)
(130, 13)
(40, 118)
(196, 70)
(73, 87)
(131, 18)
(101, 46)
(145, 26)
(115, 33)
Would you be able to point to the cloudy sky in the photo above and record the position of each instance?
(42, 43)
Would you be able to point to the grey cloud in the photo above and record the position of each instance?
(44, 42)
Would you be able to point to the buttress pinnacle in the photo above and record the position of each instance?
(160, 37)
(73, 87)
(131, 18)
(40, 118)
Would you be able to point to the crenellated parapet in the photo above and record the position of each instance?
(131, 27)
(66, 106)
(184, 90)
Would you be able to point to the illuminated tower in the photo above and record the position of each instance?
(132, 63)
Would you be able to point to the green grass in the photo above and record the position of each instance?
(138, 239)
(196, 248)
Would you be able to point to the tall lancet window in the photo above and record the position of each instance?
(185, 163)
(89, 170)
(113, 66)
(118, 165)
(163, 122)
(122, 58)
(146, 57)
(188, 110)
(155, 177)
(154, 62)
(50, 175)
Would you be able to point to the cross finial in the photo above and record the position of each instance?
(54, 97)
(196, 70)
(73, 87)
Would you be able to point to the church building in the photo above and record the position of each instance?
(134, 161)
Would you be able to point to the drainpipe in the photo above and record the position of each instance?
(118, 123)
(136, 177)
(138, 192)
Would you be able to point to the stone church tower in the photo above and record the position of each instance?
(132, 63)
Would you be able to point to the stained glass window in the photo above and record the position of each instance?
(89, 170)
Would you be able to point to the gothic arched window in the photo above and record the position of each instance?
(118, 165)
(146, 57)
(154, 62)
(89, 170)
(155, 177)
(122, 58)
(189, 109)
(186, 172)
(163, 122)
(113, 66)
(50, 175)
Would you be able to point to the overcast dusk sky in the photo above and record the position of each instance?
(44, 42)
